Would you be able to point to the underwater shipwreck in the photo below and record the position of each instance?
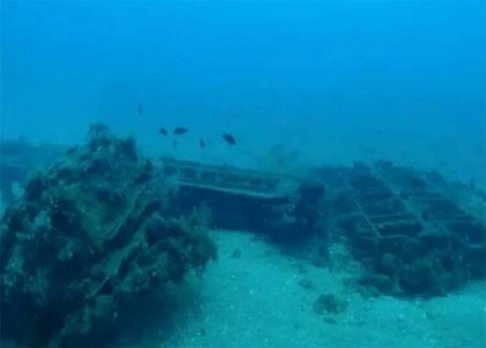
(99, 227)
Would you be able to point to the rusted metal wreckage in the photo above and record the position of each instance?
(409, 227)
(415, 232)
(393, 200)
(281, 206)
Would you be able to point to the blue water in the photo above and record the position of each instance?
(262, 66)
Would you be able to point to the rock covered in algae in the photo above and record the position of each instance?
(91, 231)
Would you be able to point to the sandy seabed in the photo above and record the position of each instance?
(253, 296)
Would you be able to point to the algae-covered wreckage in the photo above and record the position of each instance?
(91, 236)
(416, 233)
(17, 158)
(102, 226)
(281, 207)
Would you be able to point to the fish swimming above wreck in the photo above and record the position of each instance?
(228, 138)
(180, 130)
(140, 108)
(163, 131)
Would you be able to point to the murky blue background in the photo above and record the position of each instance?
(270, 72)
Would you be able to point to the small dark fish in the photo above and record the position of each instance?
(229, 138)
(202, 143)
(163, 131)
(140, 108)
(180, 130)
